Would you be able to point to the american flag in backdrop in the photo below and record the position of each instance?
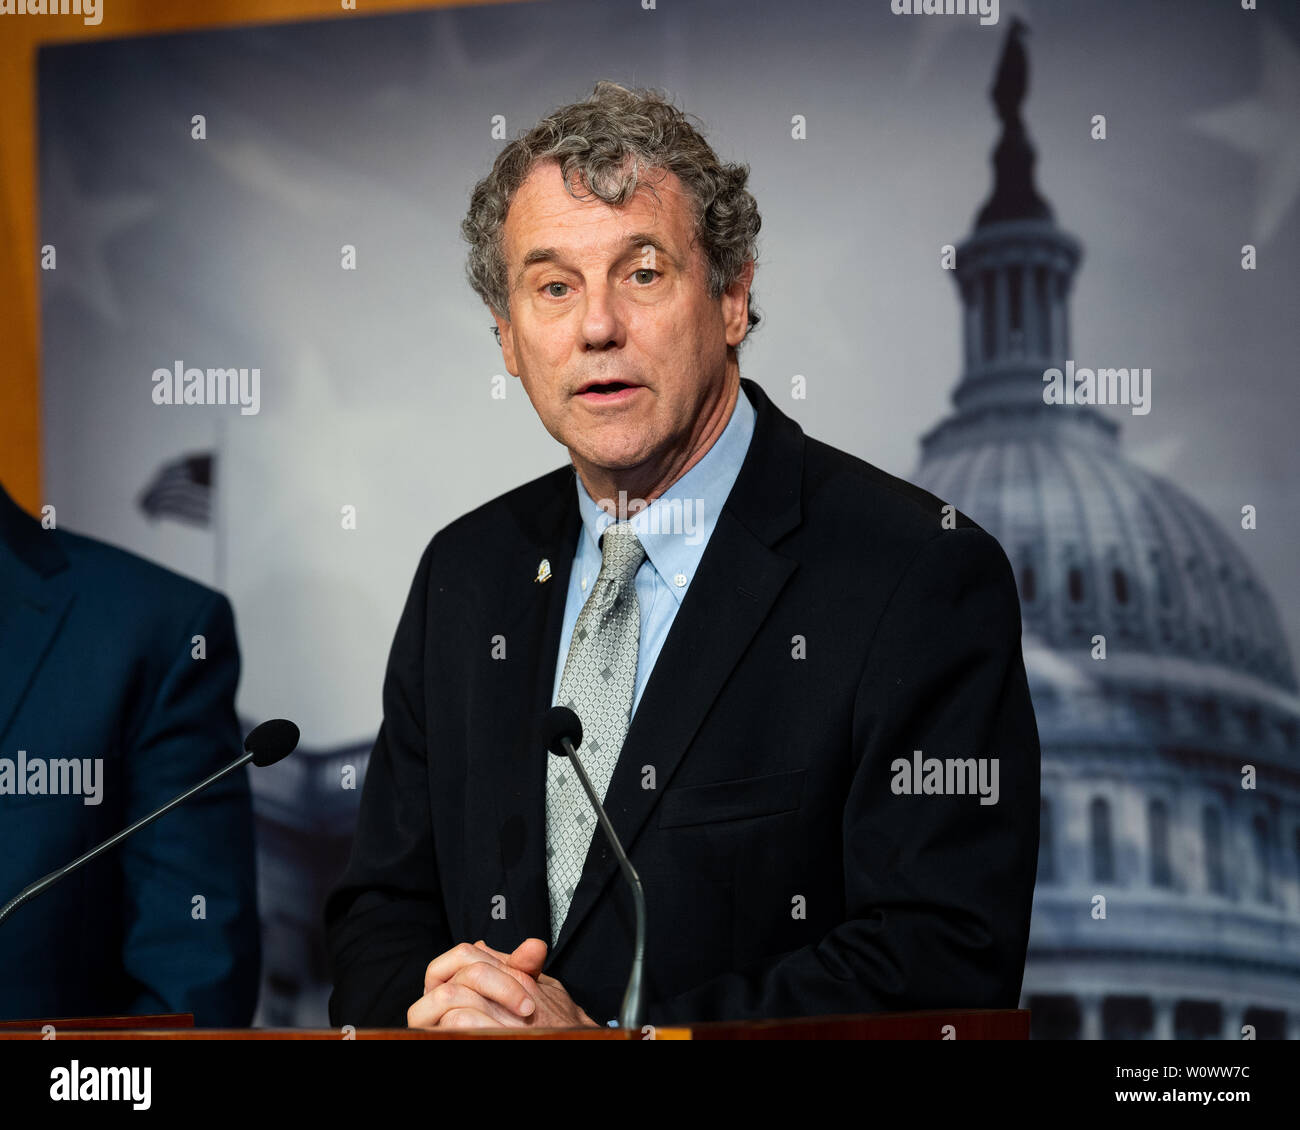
(181, 490)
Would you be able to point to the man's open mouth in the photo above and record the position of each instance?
(604, 387)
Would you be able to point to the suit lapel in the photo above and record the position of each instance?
(738, 580)
(34, 605)
(534, 615)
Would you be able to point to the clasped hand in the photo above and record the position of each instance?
(475, 986)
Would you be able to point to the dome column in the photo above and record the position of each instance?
(1162, 1024)
(1233, 1018)
(1090, 1016)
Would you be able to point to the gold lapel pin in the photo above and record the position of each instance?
(543, 572)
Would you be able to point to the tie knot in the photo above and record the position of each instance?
(621, 553)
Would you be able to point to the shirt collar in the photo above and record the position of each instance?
(676, 526)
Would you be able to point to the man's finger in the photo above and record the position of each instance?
(446, 965)
(467, 1018)
(497, 985)
(530, 956)
(430, 1009)
(526, 960)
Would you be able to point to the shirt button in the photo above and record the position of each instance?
(680, 580)
(584, 584)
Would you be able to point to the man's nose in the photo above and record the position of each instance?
(601, 323)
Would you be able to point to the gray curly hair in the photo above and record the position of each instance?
(610, 140)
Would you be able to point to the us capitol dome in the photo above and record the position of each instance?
(1168, 900)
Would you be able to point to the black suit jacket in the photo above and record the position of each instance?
(833, 626)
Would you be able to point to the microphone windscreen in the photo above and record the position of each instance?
(560, 722)
(272, 741)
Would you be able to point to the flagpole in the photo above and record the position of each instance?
(219, 508)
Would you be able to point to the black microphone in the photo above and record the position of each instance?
(268, 743)
(562, 734)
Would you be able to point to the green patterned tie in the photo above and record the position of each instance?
(598, 684)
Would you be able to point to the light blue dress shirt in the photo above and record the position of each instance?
(674, 529)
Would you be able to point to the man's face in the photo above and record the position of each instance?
(615, 299)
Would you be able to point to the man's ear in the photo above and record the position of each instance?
(507, 343)
(735, 305)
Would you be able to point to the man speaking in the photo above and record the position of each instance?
(799, 678)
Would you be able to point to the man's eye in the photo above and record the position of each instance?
(647, 271)
(548, 286)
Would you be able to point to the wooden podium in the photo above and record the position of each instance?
(963, 1024)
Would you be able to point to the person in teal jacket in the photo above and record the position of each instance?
(117, 686)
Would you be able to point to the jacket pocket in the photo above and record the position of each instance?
(732, 800)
